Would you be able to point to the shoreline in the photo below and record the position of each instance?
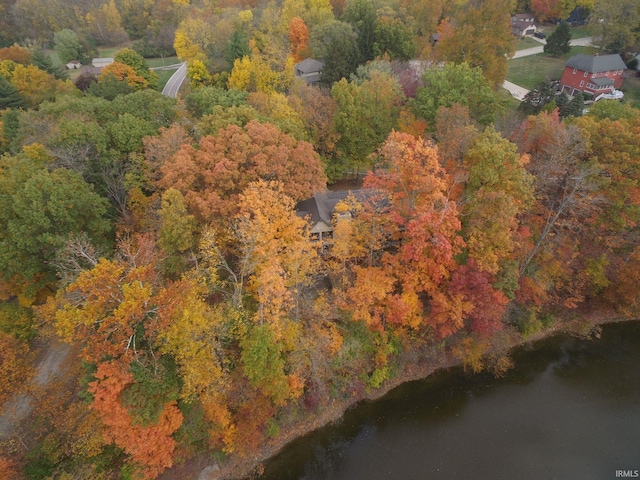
(239, 468)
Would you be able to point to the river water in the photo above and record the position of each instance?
(570, 409)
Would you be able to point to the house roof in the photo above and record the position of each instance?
(595, 64)
(93, 70)
(101, 62)
(602, 81)
(522, 25)
(321, 207)
(309, 65)
(523, 17)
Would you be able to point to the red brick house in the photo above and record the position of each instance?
(593, 75)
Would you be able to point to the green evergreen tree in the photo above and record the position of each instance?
(10, 127)
(538, 97)
(9, 95)
(237, 47)
(562, 101)
(576, 106)
(44, 62)
(558, 42)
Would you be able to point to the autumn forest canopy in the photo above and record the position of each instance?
(159, 238)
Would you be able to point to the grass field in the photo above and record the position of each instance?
(529, 71)
(631, 89)
(585, 31)
(525, 43)
(162, 61)
(108, 52)
(163, 77)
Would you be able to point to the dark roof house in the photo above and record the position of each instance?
(524, 17)
(92, 70)
(522, 24)
(596, 63)
(320, 209)
(309, 70)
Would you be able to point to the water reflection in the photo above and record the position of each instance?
(569, 410)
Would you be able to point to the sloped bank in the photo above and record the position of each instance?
(583, 322)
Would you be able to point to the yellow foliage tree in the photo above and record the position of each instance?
(278, 245)
(198, 74)
(193, 332)
(240, 77)
(38, 86)
(193, 38)
(257, 74)
(6, 68)
(186, 49)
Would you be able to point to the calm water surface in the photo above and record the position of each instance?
(569, 410)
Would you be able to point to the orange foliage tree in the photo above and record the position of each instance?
(150, 446)
(299, 38)
(546, 9)
(16, 53)
(124, 73)
(413, 189)
(212, 176)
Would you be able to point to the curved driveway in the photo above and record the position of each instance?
(173, 85)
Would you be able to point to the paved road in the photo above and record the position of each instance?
(535, 50)
(173, 85)
(167, 67)
(518, 92)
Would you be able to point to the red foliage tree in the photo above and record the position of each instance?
(487, 303)
(413, 190)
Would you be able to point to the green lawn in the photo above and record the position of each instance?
(163, 77)
(584, 31)
(108, 52)
(631, 89)
(529, 71)
(576, 32)
(526, 42)
(159, 62)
